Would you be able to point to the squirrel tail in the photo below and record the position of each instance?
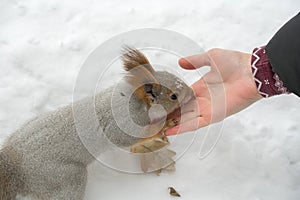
(10, 183)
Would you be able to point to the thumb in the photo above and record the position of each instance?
(194, 61)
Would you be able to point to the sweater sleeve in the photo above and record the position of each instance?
(267, 81)
(283, 52)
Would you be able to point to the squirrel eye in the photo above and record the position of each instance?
(174, 96)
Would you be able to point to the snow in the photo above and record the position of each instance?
(43, 44)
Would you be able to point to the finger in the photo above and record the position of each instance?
(185, 112)
(187, 126)
(200, 88)
(195, 61)
(191, 106)
(187, 117)
(198, 107)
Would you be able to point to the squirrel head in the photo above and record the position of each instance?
(154, 87)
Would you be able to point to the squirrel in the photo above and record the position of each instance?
(46, 159)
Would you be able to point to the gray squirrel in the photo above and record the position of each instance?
(46, 159)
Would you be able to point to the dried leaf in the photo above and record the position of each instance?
(173, 192)
(153, 154)
(150, 144)
(145, 163)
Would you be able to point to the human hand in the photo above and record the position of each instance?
(226, 89)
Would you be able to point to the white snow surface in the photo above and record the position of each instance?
(43, 44)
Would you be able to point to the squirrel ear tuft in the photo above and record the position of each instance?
(142, 83)
(140, 74)
(134, 58)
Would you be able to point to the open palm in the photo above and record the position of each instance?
(226, 89)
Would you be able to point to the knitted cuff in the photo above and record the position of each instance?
(267, 81)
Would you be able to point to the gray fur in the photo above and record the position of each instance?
(50, 156)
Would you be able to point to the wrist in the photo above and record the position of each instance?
(267, 81)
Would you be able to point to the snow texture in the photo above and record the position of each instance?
(43, 44)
